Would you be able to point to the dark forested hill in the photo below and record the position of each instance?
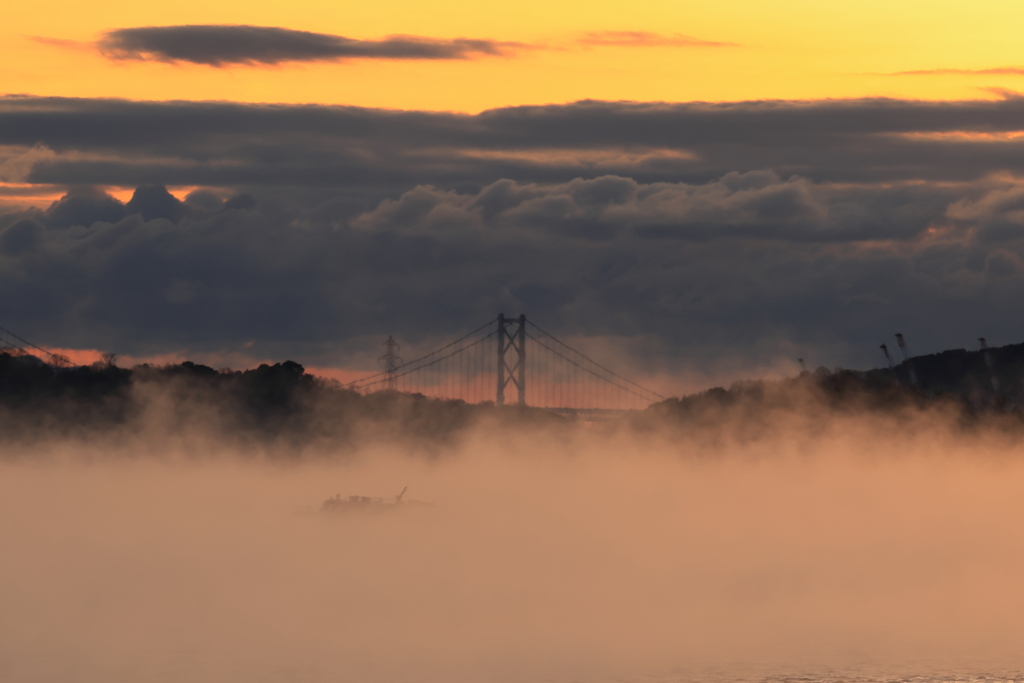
(963, 385)
(279, 401)
(282, 401)
(966, 373)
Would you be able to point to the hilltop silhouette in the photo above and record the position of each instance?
(967, 388)
(283, 402)
(279, 401)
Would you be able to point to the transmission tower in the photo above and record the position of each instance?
(391, 363)
(516, 340)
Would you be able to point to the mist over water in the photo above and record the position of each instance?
(868, 550)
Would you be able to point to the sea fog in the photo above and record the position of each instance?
(868, 548)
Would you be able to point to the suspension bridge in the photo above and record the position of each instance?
(505, 360)
(509, 361)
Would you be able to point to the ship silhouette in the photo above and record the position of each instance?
(369, 503)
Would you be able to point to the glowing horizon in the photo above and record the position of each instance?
(674, 52)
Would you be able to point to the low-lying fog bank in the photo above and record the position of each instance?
(282, 411)
(551, 553)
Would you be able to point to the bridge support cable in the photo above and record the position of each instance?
(597, 365)
(9, 341)
(364, 380)
(575, 395)
(433, 373)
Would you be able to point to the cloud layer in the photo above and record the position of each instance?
(127, 143)
(743, 270)
(220, 45)
(705, 238)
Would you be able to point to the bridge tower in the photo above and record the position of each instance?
(514, 339)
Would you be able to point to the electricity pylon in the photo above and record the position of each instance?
(391, 363)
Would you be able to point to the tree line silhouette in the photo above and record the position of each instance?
(282, 401)
(965, 389)
(279, 401)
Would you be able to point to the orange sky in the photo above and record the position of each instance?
(796, 49)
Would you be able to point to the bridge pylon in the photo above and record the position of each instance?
(514, 339)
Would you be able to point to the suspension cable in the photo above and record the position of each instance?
(27, 342)
(593, 361)
(586, 369)
(433, 362)
(417, 360)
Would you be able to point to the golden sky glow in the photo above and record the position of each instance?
(800, 49)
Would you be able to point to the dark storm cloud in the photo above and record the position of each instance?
(756, 206)
(212, 143)
(218, 45)
(757, 231)
(750, 265)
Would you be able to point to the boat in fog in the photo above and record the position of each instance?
(368, 503)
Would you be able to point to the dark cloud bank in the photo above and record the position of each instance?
(704, 237)
(219, 45)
